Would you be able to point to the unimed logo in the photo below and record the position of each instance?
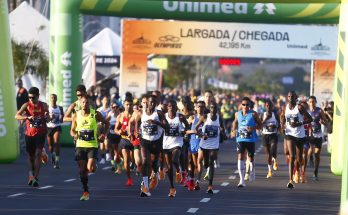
(2, 116)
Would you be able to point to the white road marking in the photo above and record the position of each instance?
(70, 180)
(236, 171)
(14, 195)
(232, 177)
(216, 191)
(205, 200)
(224, 184)
(91, 173)
(107, 167)
(192, 210)
(45, 187)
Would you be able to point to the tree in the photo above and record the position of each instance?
(36, 64)
(180, 69)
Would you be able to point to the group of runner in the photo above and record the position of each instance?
(154, 138)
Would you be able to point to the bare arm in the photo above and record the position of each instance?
(234, 125)
(67, 117)
(73, 131)
(20, 113)
(257, 120)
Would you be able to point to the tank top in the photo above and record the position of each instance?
(57, 115)
(150, 132)
(243, 135)
(113, 120)
(212, 130)
(124, 124)
(316, 126)
(271, 124)
(86, 126)
(294, 115)
(194, 137)
(173, 137)
(36, 126)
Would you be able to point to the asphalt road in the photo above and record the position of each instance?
(60, 191)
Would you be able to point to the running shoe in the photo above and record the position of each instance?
(216, 164)
(172, 192)
(129, 182)
(183, 177)
(154, 182)
(35, 182)
(241, 184)
(297, 177)
(85, 196)
(145, 192)
(269, 174)
(56, 165)
(197, 187)
(246, 177)
(290, 185)
(191, 185)
(102, 161)
(275, 165)
(30, 181)
(161, 175)
(178, 177)
(210, 189)
(315, 177)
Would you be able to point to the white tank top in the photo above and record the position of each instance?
(173, 137)
(294, 115)
(113, 120)
(271, 124)
(150, 132)
(212, 130)
(57, 115)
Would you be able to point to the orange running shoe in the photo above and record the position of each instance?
(297, 177)
(275, 165)
(154, 182)
(85, 196)
(129, 182)
(269, 174)
(178, 177)
(44, 156)
(172, 192)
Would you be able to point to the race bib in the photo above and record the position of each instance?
(316, 128)
(270, 127)
(36, 123)
(211, 131)
(173, 131)
(245, 134)
(86, 135)
(150, 129)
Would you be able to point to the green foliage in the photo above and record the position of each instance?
(37, 64)
(179, 69)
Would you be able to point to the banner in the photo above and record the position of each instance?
(152, 80)
(324, 74)
(256, 12)
(230, 39)
(133, 74)
(8, 125)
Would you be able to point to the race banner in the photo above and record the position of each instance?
(324, 74)
(230, 39)
(133, 74)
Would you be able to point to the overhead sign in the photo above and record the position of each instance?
(222, 11)
(324, 74)
(230, 39)
(108, 61)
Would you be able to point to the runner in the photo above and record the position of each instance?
(244, 129)
(84, 131)
(152, 123)
(209, 144)
(54, 130)
(292, 122)
(194, 146)
(103, 146)
(316, 136)
(173, 142)
(35, 113)
(76, 106)
(122, 129)
(113, 139)
(270, 122)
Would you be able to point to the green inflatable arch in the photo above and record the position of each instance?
(66, 49)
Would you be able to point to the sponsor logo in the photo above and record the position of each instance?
(168, 41)
(3, 130)
(320, 49)
(134, 68)
(296, 46)
(261, 8)
(206, 7)
(141, 42)
(65, 59)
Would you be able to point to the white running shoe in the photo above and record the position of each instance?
(102, 161)
(108, 157)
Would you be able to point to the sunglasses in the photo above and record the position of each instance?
(245, 105)
(113, 107)
(78, 95)
(32, 97)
